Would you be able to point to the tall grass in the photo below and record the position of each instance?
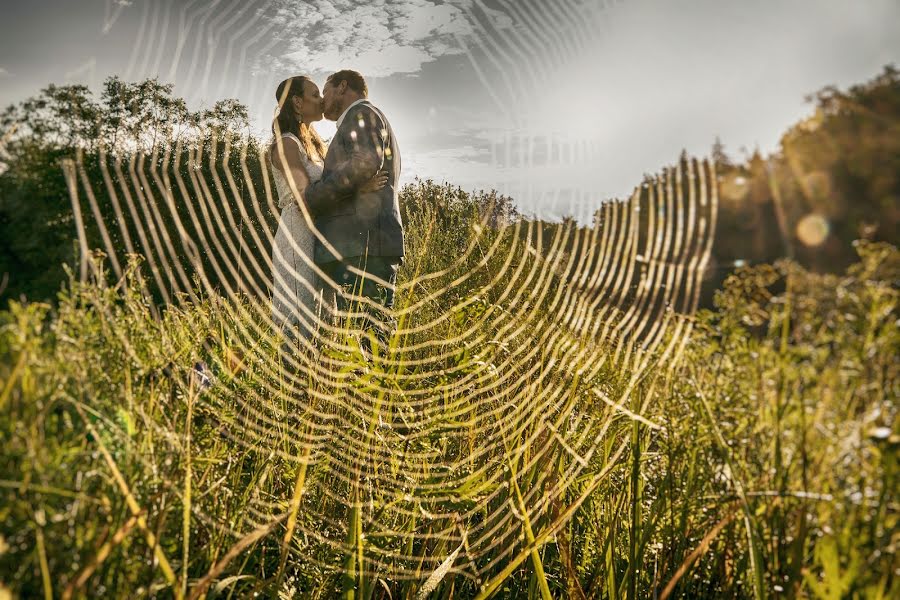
(763, 464)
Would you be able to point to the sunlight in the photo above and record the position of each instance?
(570, 104)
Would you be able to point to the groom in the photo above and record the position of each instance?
(362, 230)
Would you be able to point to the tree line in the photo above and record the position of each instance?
(834, 179)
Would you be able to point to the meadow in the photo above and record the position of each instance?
(762, 462)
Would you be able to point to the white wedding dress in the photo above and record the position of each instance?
(296, 292)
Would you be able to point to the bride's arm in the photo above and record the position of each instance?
(286, 157)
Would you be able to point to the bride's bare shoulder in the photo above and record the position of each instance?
(287, 140)
(285, 152)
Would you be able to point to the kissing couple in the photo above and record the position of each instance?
(339, 241)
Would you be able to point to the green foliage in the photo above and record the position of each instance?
(840, 164)
(146, 130)
(783, 404)
(800, 383)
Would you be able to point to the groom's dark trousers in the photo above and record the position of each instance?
(353, 284)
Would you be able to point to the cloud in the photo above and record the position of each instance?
(466, 166)
(4, 73)
(378, 38)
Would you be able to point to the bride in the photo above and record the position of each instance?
(297, 152)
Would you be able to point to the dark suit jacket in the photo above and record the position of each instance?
(355, 223)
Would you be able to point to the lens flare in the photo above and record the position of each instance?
(813, 229)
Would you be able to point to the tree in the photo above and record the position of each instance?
(719, 155)
(138, 127)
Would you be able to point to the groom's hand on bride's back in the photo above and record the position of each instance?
(376, 183)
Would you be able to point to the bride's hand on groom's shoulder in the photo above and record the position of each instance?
(378, 181)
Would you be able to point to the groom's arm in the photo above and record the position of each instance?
(364, 136)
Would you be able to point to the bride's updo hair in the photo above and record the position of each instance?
(288, 121)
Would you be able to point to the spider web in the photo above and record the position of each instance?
(511, 382)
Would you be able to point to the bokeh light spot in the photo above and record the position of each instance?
(813, 229)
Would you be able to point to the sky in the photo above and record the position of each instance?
(560, 104)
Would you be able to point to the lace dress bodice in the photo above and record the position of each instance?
(313, 168)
